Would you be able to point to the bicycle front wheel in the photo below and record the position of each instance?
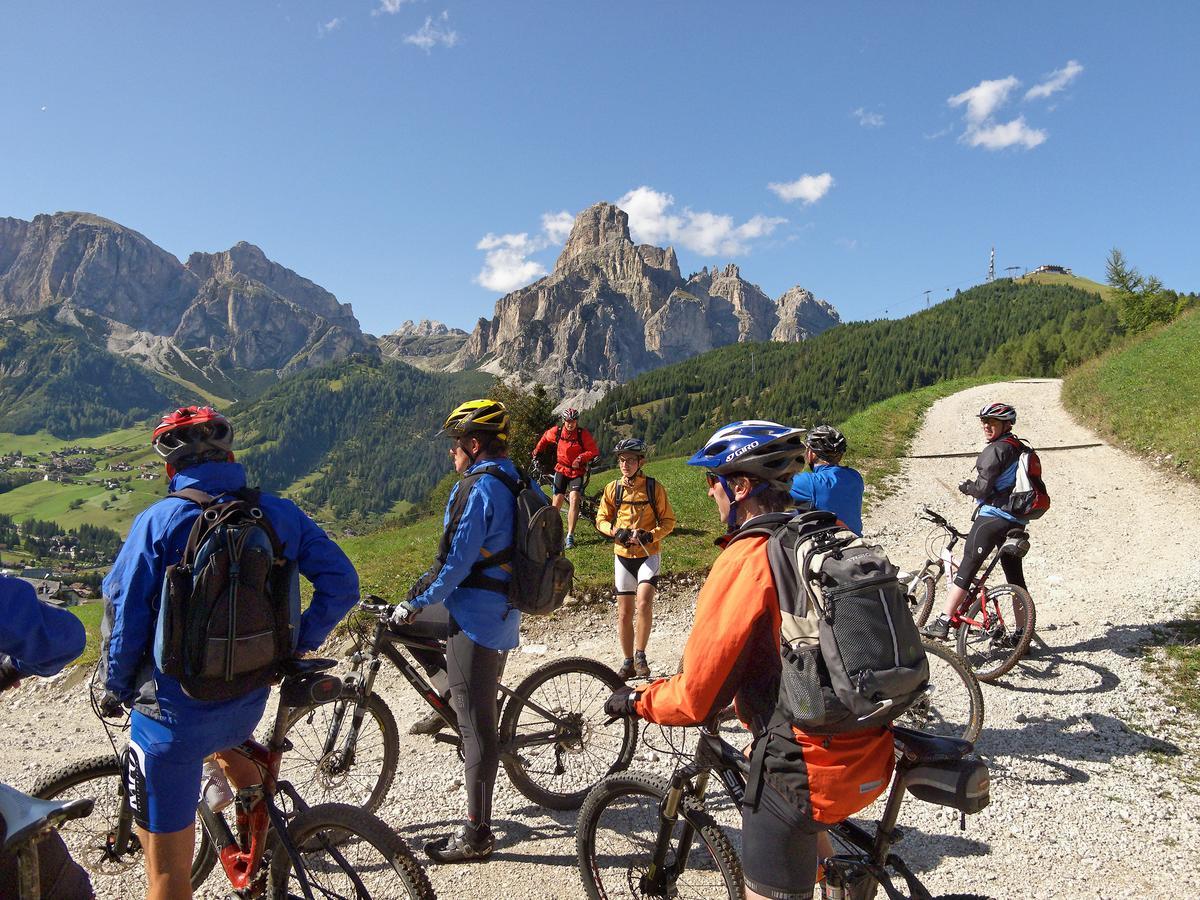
(616, 835)
(952, 705)
(1003, 627)
(345, 851)
(106, 843)
(325, 765)
(924, 594)
(556, 741)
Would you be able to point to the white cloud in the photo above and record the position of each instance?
(506, 265)
(433, 32)
(653, 221)
(1055, 81)
(985, 98)
(557, 226)
(331, 25)
(389, 7)
(807, 188)
(994, 136)
(868, 119)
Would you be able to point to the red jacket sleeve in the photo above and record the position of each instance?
(737, 597)
(590, 450)
(545, 442)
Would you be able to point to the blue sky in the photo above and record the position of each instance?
(416, 157)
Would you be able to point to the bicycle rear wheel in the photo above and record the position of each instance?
(615, 837)
(360, 775)
(953, 702)
(346, 852)
(1002, 635)
(556, 761)
(105, 842)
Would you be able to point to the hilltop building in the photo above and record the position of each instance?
(1057, 270)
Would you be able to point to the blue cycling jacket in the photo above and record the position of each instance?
(40, 639)
(485, 527)
(835, 489)
(156, 540)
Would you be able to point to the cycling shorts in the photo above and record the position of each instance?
(986, 534)
(564, 484)
(772, 831)
(630, 571)
(163, 765)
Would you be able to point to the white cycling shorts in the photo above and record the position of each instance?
(629, 572)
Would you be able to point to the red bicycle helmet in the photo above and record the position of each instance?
(193, 434)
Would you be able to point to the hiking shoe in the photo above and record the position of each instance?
(431, 724)
(938, 629)
(626, 671)
(641, 668)
(465, 845)
(570, 542)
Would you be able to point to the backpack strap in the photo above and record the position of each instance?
(475, 578)
(651, 493)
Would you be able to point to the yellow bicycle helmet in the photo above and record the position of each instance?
(477, 415)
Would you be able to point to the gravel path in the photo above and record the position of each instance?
(1088, 761)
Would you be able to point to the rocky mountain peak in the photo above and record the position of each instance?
(802, 315)
(425, 328)
(594, 227)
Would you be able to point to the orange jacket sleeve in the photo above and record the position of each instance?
(737, 597)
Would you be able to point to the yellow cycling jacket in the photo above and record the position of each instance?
(635, 512)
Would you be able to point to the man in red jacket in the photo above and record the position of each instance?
(576, 448)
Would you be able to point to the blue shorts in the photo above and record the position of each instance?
(162, 772)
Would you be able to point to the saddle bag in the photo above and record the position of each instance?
(961, 784)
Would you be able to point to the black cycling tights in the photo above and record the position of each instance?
(474, 674)
(986, 534)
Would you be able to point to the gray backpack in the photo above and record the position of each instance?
(851, 653)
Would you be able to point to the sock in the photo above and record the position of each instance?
(640, 654)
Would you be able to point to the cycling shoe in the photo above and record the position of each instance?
(465, 845)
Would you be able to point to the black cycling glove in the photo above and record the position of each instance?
(111, 706)
(644, 537)
(966, 486)
(622, 536)
(9, 676)
(620, 704)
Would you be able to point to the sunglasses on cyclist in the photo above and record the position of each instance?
(711, 479)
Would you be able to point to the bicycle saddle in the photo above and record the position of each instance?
(22, 816)
(289, 668)
(919, 747)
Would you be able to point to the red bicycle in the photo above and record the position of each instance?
(279, 847)
(994, 623)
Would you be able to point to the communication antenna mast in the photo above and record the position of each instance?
(927, 299)
(992, 266)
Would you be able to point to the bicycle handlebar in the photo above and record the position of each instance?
(937, 519)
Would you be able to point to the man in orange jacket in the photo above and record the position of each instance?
(810, 782)
(575, 449)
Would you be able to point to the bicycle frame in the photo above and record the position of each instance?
(947, 566)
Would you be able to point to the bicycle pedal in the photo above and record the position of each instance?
(898, 834)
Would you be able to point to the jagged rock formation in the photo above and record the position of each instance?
(219, 312)
(427, 344)
(612, 309)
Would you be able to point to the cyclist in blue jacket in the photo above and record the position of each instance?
(464, 599)
(171, 733)
(35, 638)
(830, 485)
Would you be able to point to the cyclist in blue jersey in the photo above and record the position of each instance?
(463, 598)
(35, 638)
(830, 485)
(170, 732)
(995, 475)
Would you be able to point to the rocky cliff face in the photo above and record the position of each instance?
(612, 309)
(232, 309)
(426, 344)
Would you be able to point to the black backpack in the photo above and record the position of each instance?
(851, 653)
(541, 573)
(230, 608)
(651, 497)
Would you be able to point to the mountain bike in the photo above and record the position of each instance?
(26, 824)
(640, 836)
(555, 740)
(589, 504)
(279, 847)
(952, 703)
(994, 623)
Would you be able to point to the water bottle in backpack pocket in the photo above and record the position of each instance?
(230, 608)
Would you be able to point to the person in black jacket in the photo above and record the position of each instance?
(995, 475)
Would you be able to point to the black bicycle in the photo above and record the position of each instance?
(589, 504)
(26, 826)
(555, 740)
(280, 846)
(644, 837)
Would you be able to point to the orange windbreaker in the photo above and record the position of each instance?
(732, 653)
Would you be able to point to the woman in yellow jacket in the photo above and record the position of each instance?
(636, 514)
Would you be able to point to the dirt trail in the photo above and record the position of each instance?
(1086, 757)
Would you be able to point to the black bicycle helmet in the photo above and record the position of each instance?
(1002, 411)
(631, 445)
(825, 440)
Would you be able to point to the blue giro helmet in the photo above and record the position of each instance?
(768, 451)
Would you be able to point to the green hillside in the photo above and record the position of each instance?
(845, 369)
(52, 378)
(353, 438)
(1075, 281)
(1146, 394)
